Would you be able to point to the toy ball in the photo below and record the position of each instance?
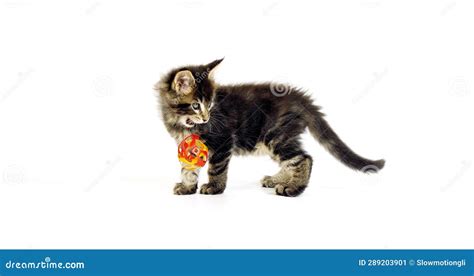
(192, 152)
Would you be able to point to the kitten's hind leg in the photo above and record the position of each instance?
(295, 170)
(293, 178)
(281, 177)
(285, 147)
(189, 182)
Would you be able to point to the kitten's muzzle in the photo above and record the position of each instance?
(190, 122)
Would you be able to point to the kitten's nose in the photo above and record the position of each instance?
(205, 120)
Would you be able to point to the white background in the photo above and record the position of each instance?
(85, 161)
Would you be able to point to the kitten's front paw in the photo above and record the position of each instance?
(283, 190)
(211, 189)
(268, 182)
(181, 189)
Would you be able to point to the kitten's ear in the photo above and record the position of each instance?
(183, 82)
(211, 66)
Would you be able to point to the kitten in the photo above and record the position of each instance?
(247, 118)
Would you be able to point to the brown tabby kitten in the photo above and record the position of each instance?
(247, 118)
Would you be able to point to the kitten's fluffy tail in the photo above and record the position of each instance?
(321, 130)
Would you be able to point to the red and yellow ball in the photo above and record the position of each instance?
(192, 152)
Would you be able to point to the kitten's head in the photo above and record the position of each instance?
(187, 93)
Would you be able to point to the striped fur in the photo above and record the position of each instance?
(248, 118)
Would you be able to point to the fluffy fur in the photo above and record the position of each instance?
(249, 118)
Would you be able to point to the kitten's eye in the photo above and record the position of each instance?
(195, 106)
